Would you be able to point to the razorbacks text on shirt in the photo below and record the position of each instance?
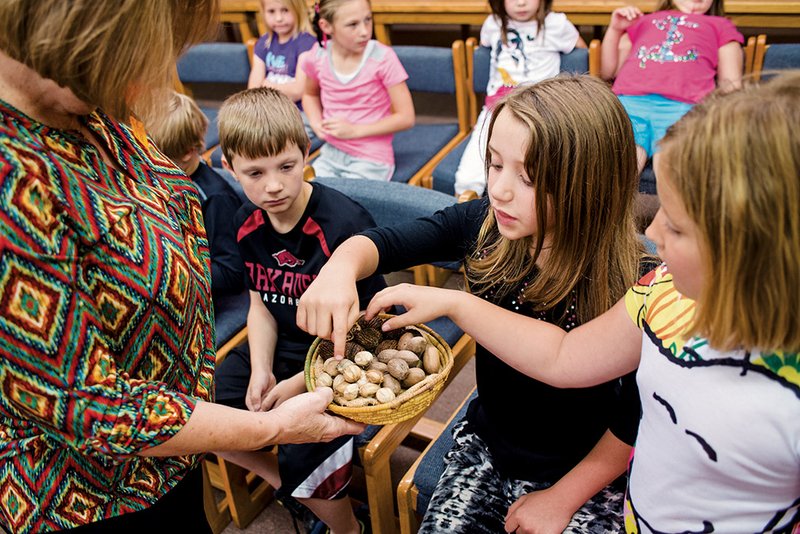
(280, 267)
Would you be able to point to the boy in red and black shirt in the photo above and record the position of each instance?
(286, 234)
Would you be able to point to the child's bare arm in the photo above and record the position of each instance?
(329, 306)
(551, 510)
(729, 67)
(258, 72)
(616, 44)
(285, 390)
(401, 118)
(262, 335)
(312, 106)
(598, 351)
(294, 89)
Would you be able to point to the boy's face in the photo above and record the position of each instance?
(273, 183)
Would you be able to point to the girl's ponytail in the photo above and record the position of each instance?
(315, 24)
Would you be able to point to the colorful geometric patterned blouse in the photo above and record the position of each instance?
(718, 448)
(106, 336)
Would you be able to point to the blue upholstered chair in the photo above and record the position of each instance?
(774, 57)
(415, 489)
(431, 70)
(580, 60)
(208, 63)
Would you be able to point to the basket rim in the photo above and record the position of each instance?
(426, 388)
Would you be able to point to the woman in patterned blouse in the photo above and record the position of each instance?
(106, 332)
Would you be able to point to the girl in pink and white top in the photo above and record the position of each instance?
(356, 96)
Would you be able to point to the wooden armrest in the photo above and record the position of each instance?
(238, 338)
(594, 57)
(467, 195)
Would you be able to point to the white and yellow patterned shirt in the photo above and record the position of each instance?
(718, 448)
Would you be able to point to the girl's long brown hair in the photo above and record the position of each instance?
(581, 161)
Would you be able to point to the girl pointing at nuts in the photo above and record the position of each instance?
(555, 241)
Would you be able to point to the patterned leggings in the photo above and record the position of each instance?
(471, 497)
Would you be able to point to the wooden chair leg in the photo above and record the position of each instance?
(406, 502)
(218, 514)
(247, 494)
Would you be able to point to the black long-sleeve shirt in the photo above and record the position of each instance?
(220, 204)
(534, 431)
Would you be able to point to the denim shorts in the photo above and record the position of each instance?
(333, 162)
(651, 116)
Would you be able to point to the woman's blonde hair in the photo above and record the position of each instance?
(716, 9)
(735, 162)
(259, 122)
(181, 128)
(301, 16)
(113, 54)
(581, 161)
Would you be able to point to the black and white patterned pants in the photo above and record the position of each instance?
(471, 496)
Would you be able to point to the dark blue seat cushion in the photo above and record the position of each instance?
(390, 203)
(431, 466)
(444, 175)
(781, 57)
(212, 133)
(215, 63)
(647, 180)
(230, 315)
(415, 147)
(429, 68)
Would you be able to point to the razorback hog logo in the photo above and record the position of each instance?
(287, 259)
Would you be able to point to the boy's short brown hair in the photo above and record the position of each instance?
(260, 122)
(180, 129)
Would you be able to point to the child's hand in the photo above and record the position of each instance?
(319, 131)
(623, 17)
(423, 303)
(540, 512)
(340, 128)
(329, 307)
(284, 390)
(257, 390)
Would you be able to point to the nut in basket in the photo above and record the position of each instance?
(385, 377)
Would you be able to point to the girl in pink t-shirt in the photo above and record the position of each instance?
(664, 63)
(356, 96)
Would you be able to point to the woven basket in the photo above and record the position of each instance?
(408, 404)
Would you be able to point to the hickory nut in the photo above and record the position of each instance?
(415, 375)
(352, 373)
(398, 368)
(324, 380)
(363, 358)
(385, 395)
